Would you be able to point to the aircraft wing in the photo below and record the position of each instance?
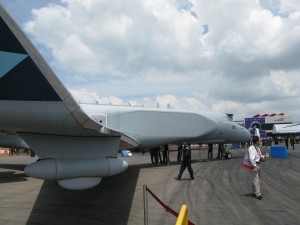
(36, 106)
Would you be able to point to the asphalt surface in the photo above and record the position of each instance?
(220, 194)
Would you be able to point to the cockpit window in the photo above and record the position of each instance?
(229, 119)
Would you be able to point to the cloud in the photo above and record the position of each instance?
(163, 101)
(84, 96)
(281, 8)
(225, 55)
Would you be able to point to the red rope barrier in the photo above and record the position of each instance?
(173, 212)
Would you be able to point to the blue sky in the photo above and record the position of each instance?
(229, 56)
(21, 10)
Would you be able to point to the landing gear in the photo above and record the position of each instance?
(227, 155)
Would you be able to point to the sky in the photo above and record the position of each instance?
(231, 56)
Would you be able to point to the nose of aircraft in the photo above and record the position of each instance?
(236, 133)
(246, 135)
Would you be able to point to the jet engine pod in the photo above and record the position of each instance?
(62, 169)
(79, 183)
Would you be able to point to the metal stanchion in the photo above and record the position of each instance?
(145, 196)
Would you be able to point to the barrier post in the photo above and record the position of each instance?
(145, 197)
(182, 218)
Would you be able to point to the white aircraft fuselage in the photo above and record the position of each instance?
(152, 127)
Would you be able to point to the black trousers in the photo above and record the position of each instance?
(159, 156)
(184, 165)
(220, 152)
(179, 154)
(210, 152)
(165, 156)
(152, 157)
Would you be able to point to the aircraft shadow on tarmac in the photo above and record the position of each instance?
(12, 176)
(108, 203)
(13, 166)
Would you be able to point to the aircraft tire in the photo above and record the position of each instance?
(228, 155)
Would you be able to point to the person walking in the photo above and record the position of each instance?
(210, 151)
(186, 161)
(255, 158)
(179, 153)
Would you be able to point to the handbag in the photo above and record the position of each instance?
(246, 162)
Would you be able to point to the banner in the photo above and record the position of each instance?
(279, 119)
(252, 123)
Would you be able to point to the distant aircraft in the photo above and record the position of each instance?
(76, 144)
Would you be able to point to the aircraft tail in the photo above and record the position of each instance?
(25, 75)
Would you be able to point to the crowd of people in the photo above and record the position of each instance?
(17, 152)
(160, 155)
(253, 153)
(155, 154)
(286, 140)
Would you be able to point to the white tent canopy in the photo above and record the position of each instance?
(286, 128)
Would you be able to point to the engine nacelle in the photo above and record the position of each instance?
(80, 183)
(60, 169)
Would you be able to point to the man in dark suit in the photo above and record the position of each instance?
(186, 161)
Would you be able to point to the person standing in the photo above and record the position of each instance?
(256, 158)
(165, 153)
(210, 151)
(292, 141)
(152, 155)
(186, 161)
(286, 140)
(157, 156)
(220, 151)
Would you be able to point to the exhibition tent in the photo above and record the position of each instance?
(286, 128)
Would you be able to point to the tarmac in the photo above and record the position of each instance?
(220, 193)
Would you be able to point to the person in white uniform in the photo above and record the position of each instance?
(256, 158)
